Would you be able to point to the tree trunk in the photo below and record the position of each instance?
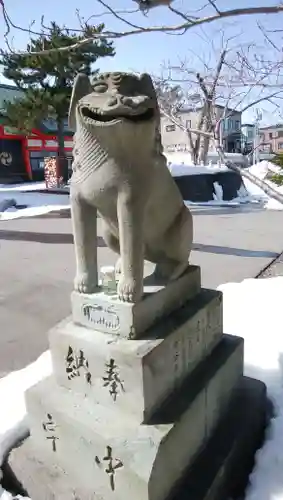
(62, 160)
(203, 149)
(272, 193)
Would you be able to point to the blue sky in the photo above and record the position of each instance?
(146, 52)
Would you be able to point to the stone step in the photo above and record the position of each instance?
(231, 448)
(137, 375)
(110, 455)
(106, 313)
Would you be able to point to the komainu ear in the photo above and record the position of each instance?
(81, 88)
(147, 84)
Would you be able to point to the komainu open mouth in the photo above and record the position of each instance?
(99, 117)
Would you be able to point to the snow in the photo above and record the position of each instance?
(248, 192)
(243, 198)
(261, 170)
(13, 421)
(259, 322)
(31, 186)
(218, 195)
(274, 204)
(36, 203)
(179, 169)
(42, 203)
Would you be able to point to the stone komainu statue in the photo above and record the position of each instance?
(120, 172)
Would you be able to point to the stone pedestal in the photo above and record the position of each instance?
(106, 313)
(126, 417)
(145, 370)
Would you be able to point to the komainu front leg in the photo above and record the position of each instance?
(130, 220)
(84, 221)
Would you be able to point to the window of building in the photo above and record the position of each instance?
(170, 128)
(280, 133)
(280, 145)
(270, 135)
(188, 124)
(237, 125)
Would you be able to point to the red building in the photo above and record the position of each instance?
(22, 157)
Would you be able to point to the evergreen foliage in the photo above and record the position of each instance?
(47, 79)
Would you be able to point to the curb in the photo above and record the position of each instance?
(272, 263)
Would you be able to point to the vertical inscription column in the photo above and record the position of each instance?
(188, 346)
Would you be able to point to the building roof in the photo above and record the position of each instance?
(190, 109)
(278, 125)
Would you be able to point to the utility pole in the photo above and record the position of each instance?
(257, 136)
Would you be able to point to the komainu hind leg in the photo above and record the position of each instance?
(113, 243)
(176, 248)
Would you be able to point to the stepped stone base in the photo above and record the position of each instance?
(106, 313)
(111, 453)
(147, 369)
(216, 474)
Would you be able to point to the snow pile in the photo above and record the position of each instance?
(218, 191)
(180, 169)
(13, 424)
(248, 192)
(274, 204)
(260, 323)
(31, 186)
(27, 202)
(262, 170)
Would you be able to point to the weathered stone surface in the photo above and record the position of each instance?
(137, 375)
(211, 477)
(108, 314)
(120, 458)
(221, 471)
(119, 170)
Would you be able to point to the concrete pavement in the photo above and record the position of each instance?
(37, 268)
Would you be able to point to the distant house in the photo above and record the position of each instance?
(175, 139)
(22, 156)
(272, 138)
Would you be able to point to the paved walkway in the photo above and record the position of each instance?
(37, 268)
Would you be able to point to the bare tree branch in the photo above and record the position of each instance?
(118, 16)
(212, 2)
(190, 22)
(234, 81)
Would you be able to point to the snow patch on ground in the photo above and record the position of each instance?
(259, 322)
(30, 186)
(13, 424)
(261, 171)
(274, 204)
(259, 303)
(30, 203)
(38, 203)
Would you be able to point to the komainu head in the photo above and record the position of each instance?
(111, 97)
